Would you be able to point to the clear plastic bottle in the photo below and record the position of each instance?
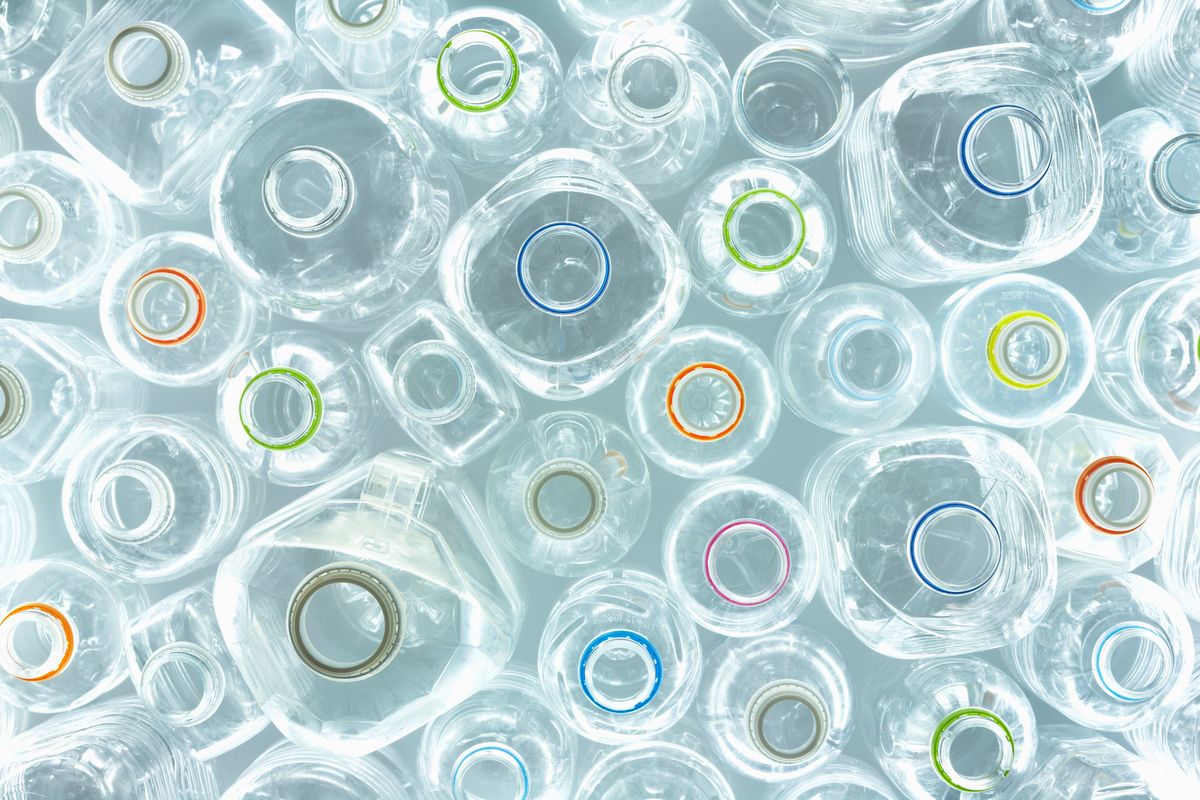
(792, 99)
(951, 728)
(1016, 350)
(1162, 70)
(565, 273)
(1150, 219)
(174, 313)
(654, 771)
(13, 720)
(855, 358)
(969, 163)
(367, 46)
(703, 402)
(1171, 739)
(1177, 567)
(116, 750)
(34, 33)
(570, 493)
(739, 556)
(651, 96)
(380, 599)
(1083, 765)
(777, 706)
(937, 540)
(60, 230)
(19, 523)
(844, 778)
(289, 772)
(1113, 651)
(333, 207)
(182, 670)
(590, 17)
(10, 129)
(157, 497)
(296, 407)
(487, 85)
(618, 658)
(1111, 488)
(441, 385)
(503, 742)
(58, 388)
(760, 237)
(60, 634)
(150, 93)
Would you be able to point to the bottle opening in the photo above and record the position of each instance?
(787, 721)
(620, 671)
(37, 642)
(281, 408)
(649, 84)
(478, 70)
(30, 224)
(764, 230)
(346, 622)
(183, 684)
(563, 268)
(565, 498)
(705, 401)
(747, 562)
(308, 190)
(973, 750)
(361, 19)
(132, 502)
(1114, 495)
(1101, 6)
(166, 306)
(1175, 174)
(14, 401)
(869, 359)
(1005, 150)
(147, 63)
(1133, 661)
(954, 548)
(491, 771)
(1027, 350)
(434, 381)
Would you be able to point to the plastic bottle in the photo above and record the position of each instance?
(590, 17)
(289, 771)
(570, 493)
(1176, 566)
(844, 778)
(1082, 765)
(19, 523)
(1160, 71)
(653, 770)
(35, 33)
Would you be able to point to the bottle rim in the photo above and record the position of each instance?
(616, 640)
(1087, 503)
(195, 308)
(728, 532)
(1002, 334)
(763, 262)
(453, 408)
(959, 721)
(478, 102)
(971, 163)
(301, 385)
(776, 693)
(176, 70)
(632, 110)
(47, 229)
(495, 752)
(378, 24)
(602, 268)
(15, 401)
(581, 472)
(53, 624)
(726, 382)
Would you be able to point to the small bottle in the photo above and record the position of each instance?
(1176, 566)
(1015, 350)
(35, 33)
(739, 556)
(441, 385)
(855, 358)
(10, 129)
(1111, 488)
(60, 634)
(182, 670)
(505, 741)
(570, 493)
(565, 273)
(296, 407)
(654, 769)
(1113, 651)
(1160, 72)
(486, 84)
(760, 237)
(1150, 219)
(19, 523)
(58, 389)
(937, 540)
(174, 313)
(383, 598)
(952, 727)
(651, 96)
(618, 658)
(844, 778)
(703, 402)
(290, 771)
(60, 230)
(1078, 763)
(792, 99)
(307, 212)
(157, 498)
(777, 706)
(589, 17)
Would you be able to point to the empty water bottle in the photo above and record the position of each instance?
(654, 771)
(18, 521)
(592, 16)
(1161, 71)
(289, 771)
(33, 34)
(1177, 567)
(1082, 765)
(842, 779)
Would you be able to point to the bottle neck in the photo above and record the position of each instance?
(132, 502)
(1004, 151)
(1114, 495)
(147, 64)
(166, 307)
(649, 85)
(478, 71)
(973, 750)
(491, 770)
(15, 401)
(1133, 661)
(1175, 174)
(361, 20)
(37, 642)
(31, 224)
(705, 401)
(1027, 350)
(281, 408)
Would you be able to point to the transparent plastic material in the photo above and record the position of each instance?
(938, 540)
(333, 207)
(651, 96)
(654, 770)
(441, 385)
(1111, 488)
(289, 771)
(487, 85)
(618, 658)
(113, 751)
(174, 313)
(13, 720)
(185, 675)
(60, 230)
(565, 273)
(1171, 739)
(570, 493)
(58, 388)
(19, 523)
(592, 16)
(35, 32)
(504, 742)
(950, 728)
(842, 779)
(703, 402)
(1016, 350)
(368, 45)
(370, 606)
(157, 497)
(739, 556)
(969, 163)
(1162, 71)
(777, 706)
(1151, 214)
(296, 407)
(1114, 650)
(1082, 765)
(1177, 567)
(855, 358)
(60, 634)
(10, 129)
(760, 237)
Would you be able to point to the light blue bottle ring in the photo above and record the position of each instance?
(843, 335)
(1102, 655)
(588, 301)
(648, 651)
(918, 531)
(487, 752)
(1100, 7)
(992, 186)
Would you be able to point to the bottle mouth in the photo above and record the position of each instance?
(1005, 160)
(361, 19)
(1133, 661)
(1114, 495)
(1027, 350)
(649, 84)
(492, 767)
(869, 359)
(565, 498)
(478, 70)
(1101, 6)
(31, 224)
(147, 63)
(787, 721)
(955, 548)
(166, 306)
(563, 268)
(620, 671)
(705, 401)
(747, 562)
(15, 401)
(764, 230)
(973, 750)
(281, 408)
(434, 382)
(1175, 174)
(131, 502)
(37, 642)
(182, 684)
(307, 191)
